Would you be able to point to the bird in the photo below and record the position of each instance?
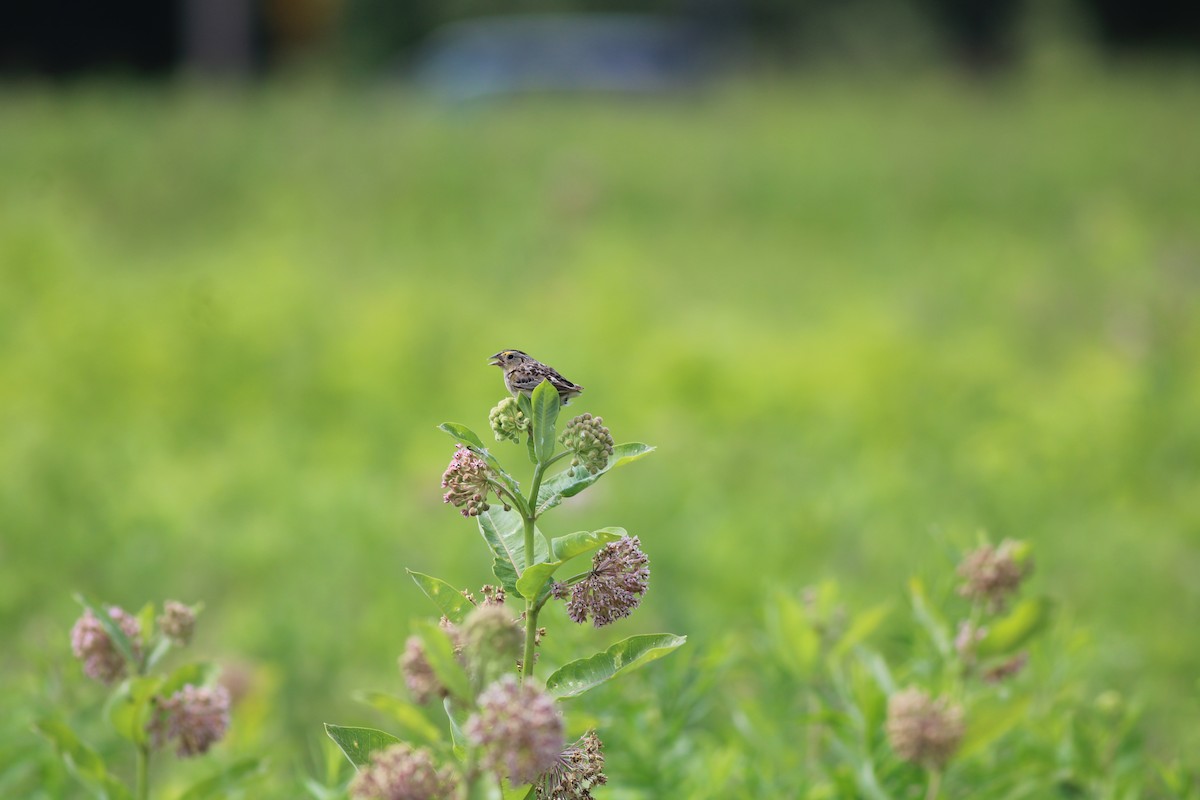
(523, 373)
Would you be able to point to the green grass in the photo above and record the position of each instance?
(862, 322)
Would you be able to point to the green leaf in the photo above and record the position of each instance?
(463, 434)
(82, 761)
(563, 484)
(933, 624)
(359, 743)
(120, 640)
(546, 404)
(504, 531)
(444, 596)
(129, 707)
(413, 722)
(1005, 635)
(220, 784)
(196, 674)
(533, 579)
(145, 619)
(532, 583)
(506, 574)
(988, 721)
(861, 627)
(439, 652)
(577, 677)
(510, 792)
(459, 743)
(576, 544)
(795, 638)
(162, 646)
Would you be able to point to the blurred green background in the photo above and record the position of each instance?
(863, 318)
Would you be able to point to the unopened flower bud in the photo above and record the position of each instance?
(922, 730)
(614, 588)
(177, 622)
(467, 481)
(90, 643)
(589, 441)
(401, 772)
(507, 421)
(518, 730)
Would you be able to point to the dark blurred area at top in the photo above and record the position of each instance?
(69, 38)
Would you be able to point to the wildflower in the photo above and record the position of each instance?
(992, 574)
(507, 421)
(467, 481)
(922, 730)
(402, 772)
(419, 677)
(578, 770)
(590, 442)
(90, 643)
(177, 622)
(490, 634)
(518, 730)
(197, 717)
(614, 587)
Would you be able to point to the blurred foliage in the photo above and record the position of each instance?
(862, 322)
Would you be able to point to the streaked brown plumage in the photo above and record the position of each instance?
(523, 373)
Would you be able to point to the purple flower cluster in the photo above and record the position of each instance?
(195, 717)
(922, 730)
(466, 482)
(91, 644)
(402, 773)
(518, 729)
(614, 588)
(177, 622)
(418, 674)
(993, 574)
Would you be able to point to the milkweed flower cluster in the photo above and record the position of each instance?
(401, 772)
(579, 769)
(91, 644)
(619, 578)
(991, 575)
(195, 718)
(518, 730)
(418, 674)
(507, 421)
(177, 622)
(466, 480)
(922, 730)
(589, 441)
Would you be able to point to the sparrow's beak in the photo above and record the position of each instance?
(494, 361)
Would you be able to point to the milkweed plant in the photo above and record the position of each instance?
(178, 713)
(506, 734)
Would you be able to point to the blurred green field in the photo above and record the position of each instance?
(862, 321)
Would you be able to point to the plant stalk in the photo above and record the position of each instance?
(142, 786)
(935, 784)
(531, 609)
